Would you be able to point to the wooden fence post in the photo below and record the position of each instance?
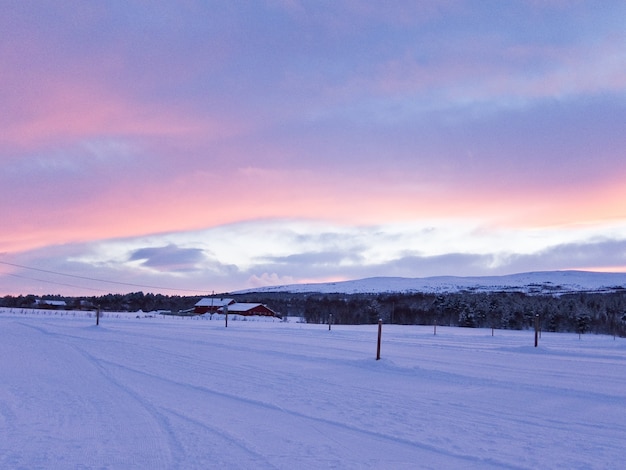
(536, 329)
(330, 320)
(380, 332)
(98, 316)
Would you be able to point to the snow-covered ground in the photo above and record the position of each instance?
(160, 392)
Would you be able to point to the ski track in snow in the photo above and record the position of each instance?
(165, 393)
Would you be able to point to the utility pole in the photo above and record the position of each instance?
(536, 329)
(380, 332)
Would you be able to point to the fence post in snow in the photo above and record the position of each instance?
(330, 320)
(536, 329)
(380, 332)
(225, 307)
(98, 316)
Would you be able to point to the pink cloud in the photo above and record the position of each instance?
(269, 279)
(69, 111)
(188, 203)
(486, 68)
(178, 181)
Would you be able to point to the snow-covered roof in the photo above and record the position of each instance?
(242, 307)
(213, 302)
(56, 303)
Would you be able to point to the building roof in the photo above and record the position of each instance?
(213, 302)
(242, 307)
(56, 303)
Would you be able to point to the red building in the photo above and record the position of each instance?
(211, 305)
(246, 309)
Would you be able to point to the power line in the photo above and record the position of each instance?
(53, 282)
(93, 279)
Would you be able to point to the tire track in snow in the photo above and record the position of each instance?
(463, 459)
(184, 361)
(166, 456)
(165, 409)
(255, 457)
(158, 412)
(173, 444)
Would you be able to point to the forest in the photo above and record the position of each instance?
(601, 313)
(577, 312)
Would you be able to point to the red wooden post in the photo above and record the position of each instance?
(380, 332)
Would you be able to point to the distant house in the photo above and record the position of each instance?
(246, 309)
(56, 304)
(86, 304)
(211, 305)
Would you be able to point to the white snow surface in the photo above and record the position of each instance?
(153, 392)
(542, 282)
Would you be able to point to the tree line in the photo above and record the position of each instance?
(131, 302)
(576, 312)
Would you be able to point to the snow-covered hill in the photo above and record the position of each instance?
(546, 282)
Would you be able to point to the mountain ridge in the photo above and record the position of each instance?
(535, 282)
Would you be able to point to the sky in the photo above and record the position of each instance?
(209, 146)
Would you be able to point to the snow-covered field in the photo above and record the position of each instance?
(186, 393)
